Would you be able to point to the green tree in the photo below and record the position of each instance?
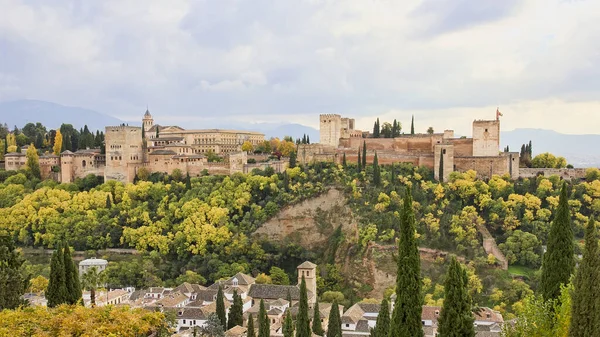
(92, 280)
(33, 161)
(293, 159)
(376, 171)
(441, 168)
(558, 261)
(302, 322)
(586, 295)
(334, 326)
(263, 321)
(56, 293)
(221, 307)
(71, 277)
(522, 248)
(279, 276)
(406, 318)
(188, 182)
(382, 326)
(212, 327)
(430, 130)
(456, 318)
(288, 325)
(236, 314)
(412, 125)
(13, 282)
(317, 328)
(359, 162)
(250, 332)
(344, 164)
(364, 155)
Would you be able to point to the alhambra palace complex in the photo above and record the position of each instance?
(166, 148)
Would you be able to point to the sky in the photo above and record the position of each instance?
(447, 62)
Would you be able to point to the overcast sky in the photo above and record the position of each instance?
(193, 62)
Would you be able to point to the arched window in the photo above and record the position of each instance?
(83, 163)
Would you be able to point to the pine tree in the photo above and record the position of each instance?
(263, 321)
(441, 169)
(317, 328)
(558, 261)
(250, 331)
(221, 307)
(406, 318)
(288, 325)
(344, 160)
(358, 168)
(13, 283)
(382, 326)
(334, 326)
(586, 293)
(302, 322)
(236, 314)
(456, 318)
(376, 171)
(364, 155)
(56, 292)
(412, 125)
(71, 277)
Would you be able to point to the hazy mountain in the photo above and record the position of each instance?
(579, 150)
(52, 115)
(272, 129)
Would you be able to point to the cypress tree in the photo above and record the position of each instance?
(364, 155)
(441, 169)
(108, 202)
(250, 331)
(188, 182)
(56, 292)
(221, 308)
(71, 277)
(302, 322)
(393, 171)
(375, 129)
(406, 318)
(236, 314)
(289, 297)
(143, 132)
(382, 326)
(304, 139)
(359, 162)
(412, 125)
(293, 159)
(288, 325)
(558, 261)
(344, 160)
(263, 321)
(317, 328)
(334, 326)
(378, 128)
(307, 139)
(12, 281)
(376, 171)
(456, 318)
(585, 296)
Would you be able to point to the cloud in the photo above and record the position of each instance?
(280, 61)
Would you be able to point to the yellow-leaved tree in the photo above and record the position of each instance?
(33, 161)
(58, 140)
(247, 147)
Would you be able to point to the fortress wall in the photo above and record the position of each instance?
(463, 147)
(576, 173)
(278, 166)
(485, 166)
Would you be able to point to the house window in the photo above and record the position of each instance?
(307, 273)
(347, 325)
(184, 321)
(486, 130)
(423, 322)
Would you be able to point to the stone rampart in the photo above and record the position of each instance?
(565, 173)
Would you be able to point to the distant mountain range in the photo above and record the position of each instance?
(579, 150)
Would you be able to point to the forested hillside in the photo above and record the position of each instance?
(202, 228)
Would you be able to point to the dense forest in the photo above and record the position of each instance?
(201, 228)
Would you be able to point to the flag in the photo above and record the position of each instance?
(498, 113)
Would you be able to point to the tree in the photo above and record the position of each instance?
(263, 278)
(548, 160)
(382, 326)
(302, 322)
(212, 327)
(236, 314)
(334, 326)
(13, 282)
(58, 140)
(188, 181)
(250, 332)
(441, 168)
(263, 321)
(288, 325)
(317, 328)
(33, 161)
(412, 125)
(92, 280)
(38, 285)
(364, 155)
(221, 307)
(71, 277)
(586, 297)
(57, 287)
(359, 162)
(406, 318)
(293, 159)
(330, 296)
(278, 276)
(247, 147)
(430, 130)
(456, 318)
(558, 261)
(522, 248)
(344, 164)
(376, 171)
(190, 276)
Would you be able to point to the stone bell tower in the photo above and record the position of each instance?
(308, 270)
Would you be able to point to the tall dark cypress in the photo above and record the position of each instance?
(236, 311)
(289, 297)
(12, 281)
(307, 139)
(264, 329)
(56, 292)
(406, 318)
(456, 318)
(585, 300)
(317, 328)
(558, 261)
(364, 155)
(334, 326)
(376, 171)
(221, 308)
(382, 326)
(358, 168)
(375, 129)
(344, 160)
(71, 277)
(288, 325)
(302, 322)
(188, 182)
(250, 332)
(412, 125)
(441, 169)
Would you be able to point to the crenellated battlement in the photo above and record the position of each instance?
(324, 116)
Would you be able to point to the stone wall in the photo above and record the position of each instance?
(447, 152)
(565, 173)
(486, 138)
(278, 166)
(330, 129)
(485, 166)
(463, 147)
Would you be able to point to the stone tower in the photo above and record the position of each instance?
(124, 152)
(486, 138)
(330, 127)
(147, 121)
(66, 167)
(309, 271)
